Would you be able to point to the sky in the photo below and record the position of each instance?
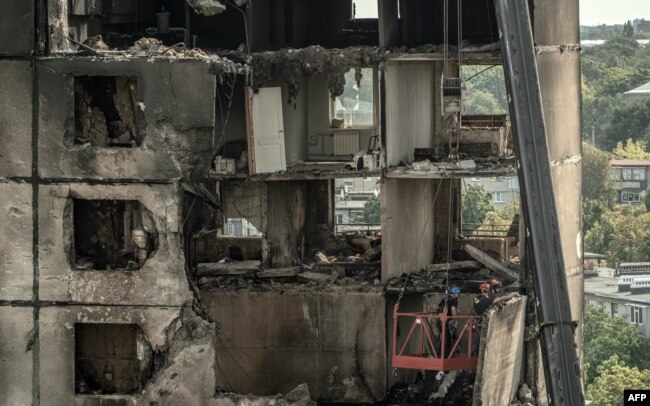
(593, 12)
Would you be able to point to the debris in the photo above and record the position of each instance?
(207, 7)
(227, 268)
(279, 272)
(321, 257)
(299, 396)
(423, 166)
(96, 42)
(491, 263)
(318, 277)
(453, 265)
(448, 380)
(373, 254)
(224, 165)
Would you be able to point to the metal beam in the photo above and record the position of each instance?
(557, 330)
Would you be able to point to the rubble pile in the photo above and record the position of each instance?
(347, 261)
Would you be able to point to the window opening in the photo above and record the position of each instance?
(365, 9)
(636, 315)
(630, 197)
(105, 111)
(490, 208)
(111, 234)
(357, 205)
(356, 105)
(110, 358)
(240, 227)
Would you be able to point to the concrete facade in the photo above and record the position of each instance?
(125, 130)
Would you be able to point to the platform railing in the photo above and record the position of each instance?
(421, 348)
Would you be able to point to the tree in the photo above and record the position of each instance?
(622, 233)
(597, 183)
(613, 377)
(606, 336)
(631, 150)
(628, 30)
(372, 211)
(477, 203)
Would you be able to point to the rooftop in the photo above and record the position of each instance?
(643, 90)
(630, 162)
(606, 285)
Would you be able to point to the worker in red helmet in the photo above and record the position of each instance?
(481, 304)
(495, 286)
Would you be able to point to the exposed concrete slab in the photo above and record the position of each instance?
(16, 259)
(16, 325)
(160, 281)
(408, 225)
(500, 364)
(273, 342)
(57, 330)
(178, 115)
(15, 115)
(16, 27)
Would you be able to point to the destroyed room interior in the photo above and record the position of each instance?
(234, 202)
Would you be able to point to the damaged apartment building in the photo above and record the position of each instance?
(185, 187)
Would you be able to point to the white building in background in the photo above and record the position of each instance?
(603, 291)
(350, 201)
(504, 190)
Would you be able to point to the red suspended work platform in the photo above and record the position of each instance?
(420, 348)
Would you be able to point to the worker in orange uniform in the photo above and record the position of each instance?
(495, 286)
(481, 304)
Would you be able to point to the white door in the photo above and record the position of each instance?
(268, 130)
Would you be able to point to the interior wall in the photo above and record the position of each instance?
(320, 141)
(410, 109)
(286, 216)
(408, 217)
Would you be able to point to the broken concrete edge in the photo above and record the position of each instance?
(207, 7)
(219, 65)
(491, 263)
(299, 396)
(190, 346)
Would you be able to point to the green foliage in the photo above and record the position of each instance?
(486, 90)
(600, 31)
(606, 336)
(630, 120)
(631, 150)
(622, 233)
(477, 203)
(628, 30)
(597, 183)
(608, 71)
(613, 377)
(500, 217)
(372, 211)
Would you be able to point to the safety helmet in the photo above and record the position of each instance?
(495, 282)
(455, 290)
(485, 287)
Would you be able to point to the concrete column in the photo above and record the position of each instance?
(557, 37)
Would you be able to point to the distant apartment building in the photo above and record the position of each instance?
(350, 202)
(641, 27)
(630, 179)
(503, 190)
(603, 291)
